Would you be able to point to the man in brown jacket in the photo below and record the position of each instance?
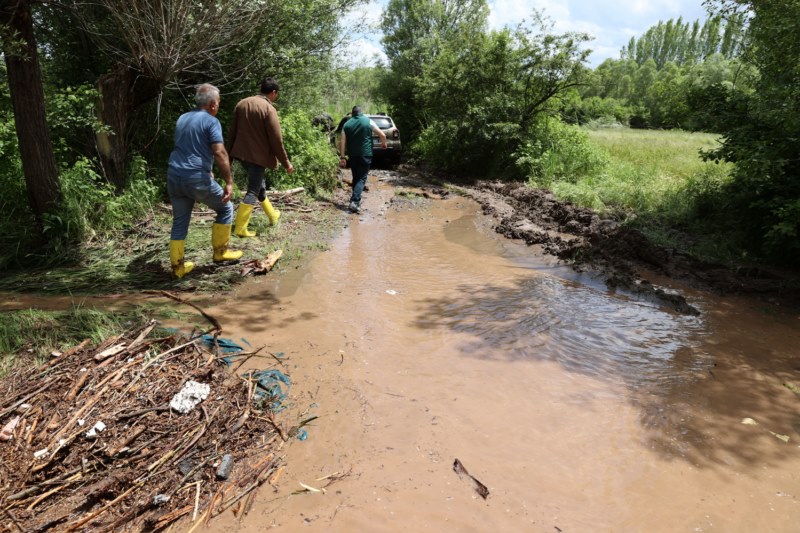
(255, 140)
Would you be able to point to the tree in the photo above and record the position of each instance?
(150, 48)
(475, 91)
(415, 31)
(761, 128)
(27, 95)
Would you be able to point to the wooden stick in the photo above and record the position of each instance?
(21, 494)
(140, 412)
(49, 493)
(144, 333)
(287, 192)
(196, 501)
(88, 405)
(214, 321)
(128, 440)
(79, 383)
(164, 520)
(26, 398)
(274, 479)
(71, 351)
(13, 519)
(227, 505)
(92, 516)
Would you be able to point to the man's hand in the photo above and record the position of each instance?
(228, 193)
(290, 168)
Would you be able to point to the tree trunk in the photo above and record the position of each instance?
(116, 105)
(27, 98)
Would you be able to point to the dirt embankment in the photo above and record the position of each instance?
(616, 253)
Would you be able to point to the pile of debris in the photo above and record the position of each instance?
(133, 434)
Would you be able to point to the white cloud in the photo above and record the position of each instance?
(511, 12)
(611, 22)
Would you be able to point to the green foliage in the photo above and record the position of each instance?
(311, 153)
(90, 206)
(558, 152)
(89, 209)
(650, 86)
(681, 43)
(656, 181)
(416, 32)
(761, 129)
(346, 87)
(475, 97)
(38, 333)
(73, 121)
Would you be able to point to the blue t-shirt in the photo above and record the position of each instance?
(195, 132)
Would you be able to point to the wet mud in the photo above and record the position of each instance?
(460, 380)
(619, 255)
(463, 382)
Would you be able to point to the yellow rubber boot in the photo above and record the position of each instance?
(220, 236)
(179, 267)
(243, 215)
(272, 214)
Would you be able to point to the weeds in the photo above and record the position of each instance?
(31, 335)
(656, 181)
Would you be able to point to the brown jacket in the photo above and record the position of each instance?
(255, 134)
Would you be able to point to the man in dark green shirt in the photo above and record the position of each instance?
(356, 139)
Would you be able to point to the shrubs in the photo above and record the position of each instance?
(312, 155)
(89, 208)
(558, 152)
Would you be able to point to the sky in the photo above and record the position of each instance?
(611, 22)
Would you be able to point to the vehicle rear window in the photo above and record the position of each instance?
(382, 122)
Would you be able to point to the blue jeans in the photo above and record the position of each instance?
(359, 165)
(185, 191)
(256, 186)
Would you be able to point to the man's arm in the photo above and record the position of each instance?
(382, 136)
(232, 134)
(340, 147)
(224, 165)
(275, 139)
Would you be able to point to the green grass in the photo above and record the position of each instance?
(138, 260)
(657, 181)
(31, 335)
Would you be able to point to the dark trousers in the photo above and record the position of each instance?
(359, 165)
(256, 186)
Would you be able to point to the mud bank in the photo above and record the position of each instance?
(619, 255)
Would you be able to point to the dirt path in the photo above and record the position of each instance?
(422, 337)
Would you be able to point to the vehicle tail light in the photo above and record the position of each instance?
(395, 134)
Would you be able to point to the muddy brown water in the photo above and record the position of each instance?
(421, 337)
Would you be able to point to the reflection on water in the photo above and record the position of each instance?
(583, 329)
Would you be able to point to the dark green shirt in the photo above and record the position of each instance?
(358, 133)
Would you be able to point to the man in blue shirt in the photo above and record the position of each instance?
(357, 140)
(198, 144)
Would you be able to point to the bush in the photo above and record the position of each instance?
(89, 208)
(559, 152)
(311, 153)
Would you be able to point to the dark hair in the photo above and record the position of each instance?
(356, 110)
(268, 85)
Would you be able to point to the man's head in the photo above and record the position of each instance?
(207, 97)
(270, 88)
(356, 110)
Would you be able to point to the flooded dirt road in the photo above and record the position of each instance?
(421, 337)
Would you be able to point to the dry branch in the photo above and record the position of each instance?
(130, 472)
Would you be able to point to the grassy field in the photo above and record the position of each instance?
(657, 181)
